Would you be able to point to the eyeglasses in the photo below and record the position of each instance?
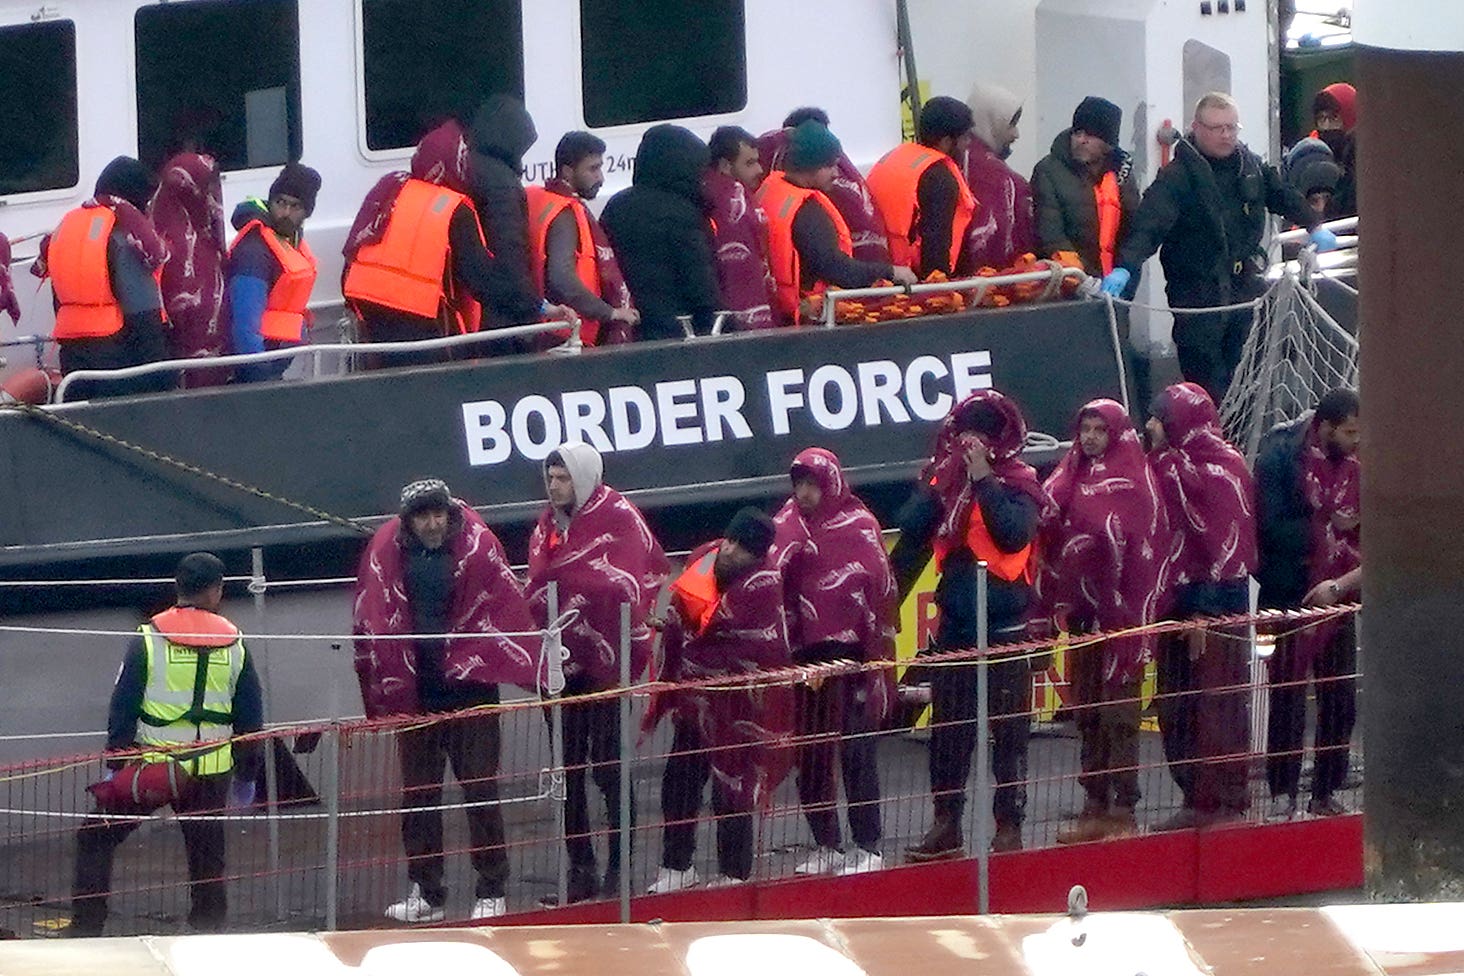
(1224, 128)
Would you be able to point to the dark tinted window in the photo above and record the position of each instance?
(648, 60)
(38, 112)
(223, 75)
(427, 60)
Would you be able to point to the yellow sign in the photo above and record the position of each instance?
(907, 121)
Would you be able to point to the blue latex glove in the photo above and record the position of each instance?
(1324, 239)
(241, 794)
(1115, 282)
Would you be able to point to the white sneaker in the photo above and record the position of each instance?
(724, 881)
(824, 860)
(860, 861)
(670, 879)
(415, 909)
(489, 908)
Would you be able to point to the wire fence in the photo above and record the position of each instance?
(349, 813)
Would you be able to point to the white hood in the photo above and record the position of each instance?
(586, 470)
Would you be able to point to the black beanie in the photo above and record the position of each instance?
(1098, 117)
(299, 181)
(127, 178)
(752, 530)
(944, 116)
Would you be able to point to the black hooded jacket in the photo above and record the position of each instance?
(501, 133)
(1067, 209)
(661, 234)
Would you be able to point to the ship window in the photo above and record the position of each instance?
(222, 76)
(428, 60)
(38, 112)
(648, 60)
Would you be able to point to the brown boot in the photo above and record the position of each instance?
(942, 841)
(1122, 822)
(1092, 824)
(1008, 838)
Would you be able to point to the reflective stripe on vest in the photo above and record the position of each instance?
(188, 699)
(894, 183)
(696, 591)
(407, 269)
(1009, 566)
(284, 309)
(77, 259)
(544, 206)
(1110, 214)
(781, 201)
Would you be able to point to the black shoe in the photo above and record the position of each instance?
(1325, 806)
(583, 885)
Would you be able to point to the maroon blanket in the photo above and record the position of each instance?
(747, 729)
(441, 158)
(837, 576)
(605, 558)
(1002, 230)
(849, 194)
(1333, 491)
(1106, 546)
(741, 240)
(9, 301)
(1207, 489)
(188, 212)
(487, 603)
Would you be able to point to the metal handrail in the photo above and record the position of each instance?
(572, 346)
(1300, 236)
(979, 285)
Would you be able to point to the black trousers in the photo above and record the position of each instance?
(1334, 673)
(682, 786)
(591, 744)
(833, 722)
(1108, 731)
(953, 735)
(141, 340)
(203, 842)
(1209, 344)
(470, 744)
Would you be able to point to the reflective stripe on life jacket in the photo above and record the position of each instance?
(894, 183)
(1009, 566)
(544, 206)
(781, 201)
(1110, 215)
(407, 270)
(76, 257)
(695, 591)
(284, 309)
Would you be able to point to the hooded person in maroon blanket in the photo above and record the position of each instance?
(1003, 228)
(1106, 549)
(437, 569)
(188, 212)
(849, 193)
(1308, 495)
(1208, 496)
(739, 228)
(840, 593)
(726, 618)
(976, 501)
(595, 546)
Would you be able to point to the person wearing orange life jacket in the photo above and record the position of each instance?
(186, 679)
(103, 260)
(923, 195)
(976, 501)
(809, 246)
(272, 272)
(574, 263)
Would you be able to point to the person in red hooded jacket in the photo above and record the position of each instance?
(1334, 110)
(840, 593)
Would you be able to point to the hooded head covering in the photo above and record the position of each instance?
(425, 493)
(673, 159)
(812, 146)
(585, 466)
(503, 129)
(1340, 98)
(994, 112)
(188, 212)
(127, 179)
(752, 530)
(1098, 117)
(299, 181)
(442, 157)
(823, 468)
(1310, 166)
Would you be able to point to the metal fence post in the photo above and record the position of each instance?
(984, 790)
(627, 745)
(258, 587)
(332, 789)
(556, 750)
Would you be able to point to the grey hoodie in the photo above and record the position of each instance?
(586, 469)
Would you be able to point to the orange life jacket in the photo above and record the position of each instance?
(1110, 214)
(284, 309)
(407, 269)
(696, 592)
(544, 206)
(894, 183)
(192, 627)
(77, 261)
(1009, 566)
(781, 201)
